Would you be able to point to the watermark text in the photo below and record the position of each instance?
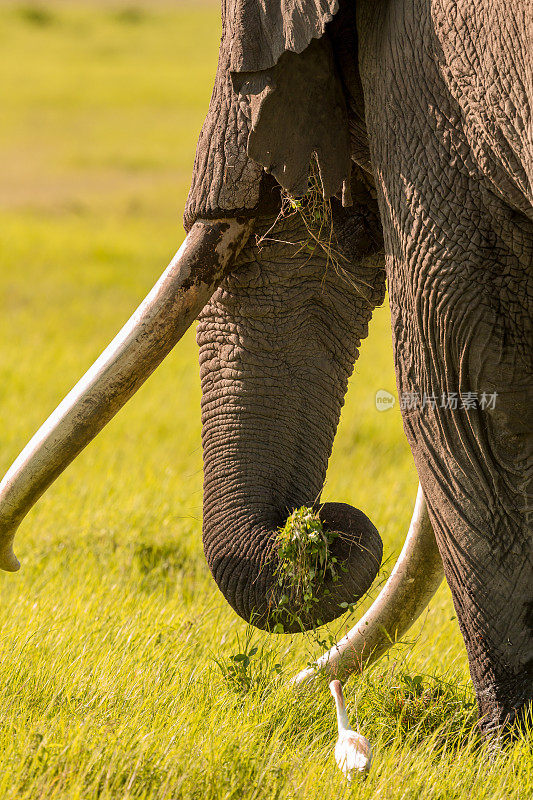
(453, 401)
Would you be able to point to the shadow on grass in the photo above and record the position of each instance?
(130, 15)
(37, 15)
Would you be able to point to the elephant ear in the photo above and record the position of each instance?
(263, 30)
(282, 62)
(277, 100)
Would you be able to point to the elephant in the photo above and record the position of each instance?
(413, 117)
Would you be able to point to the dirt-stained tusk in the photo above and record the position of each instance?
(412, 583)
(182, 291)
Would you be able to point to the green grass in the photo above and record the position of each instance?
(117, 652)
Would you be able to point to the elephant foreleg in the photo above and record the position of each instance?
(451, 162)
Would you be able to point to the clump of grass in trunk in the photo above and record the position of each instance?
(305, 559)
(317, 215)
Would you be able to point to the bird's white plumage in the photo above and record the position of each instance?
(353, 752)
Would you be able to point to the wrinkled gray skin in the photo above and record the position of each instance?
(278, 343)
(430, 101)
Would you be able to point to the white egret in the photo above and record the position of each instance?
(353, 752)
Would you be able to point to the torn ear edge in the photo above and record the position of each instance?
(262, 30)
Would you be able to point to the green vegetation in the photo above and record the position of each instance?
(122, 667)
(317, 217)
(304, 559)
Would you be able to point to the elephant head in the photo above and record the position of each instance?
(283, 305)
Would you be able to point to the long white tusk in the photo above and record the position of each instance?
(206, 255)
(412, 583)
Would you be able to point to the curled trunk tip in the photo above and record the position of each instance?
(250, 577)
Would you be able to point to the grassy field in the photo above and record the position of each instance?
(116, 649)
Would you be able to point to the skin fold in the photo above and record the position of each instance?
(437, 109)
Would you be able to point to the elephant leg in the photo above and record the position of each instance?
(459, 258)
(463, 384)
(465, 415)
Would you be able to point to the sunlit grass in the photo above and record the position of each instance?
(116, 648)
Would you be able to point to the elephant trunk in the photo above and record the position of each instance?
(160, 321)
(278, 342)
